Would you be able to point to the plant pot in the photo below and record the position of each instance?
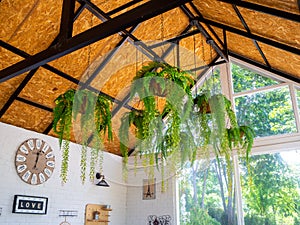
(156, 88)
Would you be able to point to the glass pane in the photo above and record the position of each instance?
(203, 195)
(244, 79)
(268, 113)
(212, 84)
(271, 193)
(298, 98)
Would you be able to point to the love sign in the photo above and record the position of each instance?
(30, 204)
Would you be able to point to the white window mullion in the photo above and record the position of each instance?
(225, 79)
(238, 190)
(295, 105)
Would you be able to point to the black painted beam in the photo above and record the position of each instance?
(32, 72)
(137, 15)
(17, 92)
(175, 39)
(48, 128)
(208, 26)
(237, 11)
(265, 9)
(106, 60)
(267, 41)
(67, 19)
(142, 47)
(34, 104)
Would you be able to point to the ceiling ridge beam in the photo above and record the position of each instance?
(99, 32)
(237, 11)
(262, 66)
(264, 9)
(267, 41)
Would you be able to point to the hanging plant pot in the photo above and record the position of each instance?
(201, 101)
(157, 89)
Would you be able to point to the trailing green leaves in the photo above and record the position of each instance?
(93, 113)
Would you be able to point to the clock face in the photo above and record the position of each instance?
(35, 161)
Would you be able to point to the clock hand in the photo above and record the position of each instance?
(37, 159)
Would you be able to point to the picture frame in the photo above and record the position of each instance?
(30, 204)
(149, 189)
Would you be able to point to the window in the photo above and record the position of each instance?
(266, 192)
(205, 198)
(271, 190)
(268, 112)
(262, 103)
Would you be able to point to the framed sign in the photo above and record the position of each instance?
(149, 189)
(30, 204)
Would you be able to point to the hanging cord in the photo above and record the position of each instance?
(214, 87)
(195, 66)
(202, 47)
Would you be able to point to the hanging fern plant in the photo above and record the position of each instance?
(221, 130)
(157, 137)
(95, 121)
(62, 124)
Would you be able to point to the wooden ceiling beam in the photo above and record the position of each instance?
(264, 9)
(53, 70)
(137, 15)
(34, 104)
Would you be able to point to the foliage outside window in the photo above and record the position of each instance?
(270, 184)
(273, 195)
(268, 112)
(203, 190)
(244, 79)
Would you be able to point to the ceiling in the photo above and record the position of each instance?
(48, 47)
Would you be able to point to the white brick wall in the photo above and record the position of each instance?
(138, 209)
(71, 196)
(125, 199)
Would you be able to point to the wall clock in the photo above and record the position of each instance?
(35, 161)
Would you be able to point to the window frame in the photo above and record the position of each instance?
(261, 145)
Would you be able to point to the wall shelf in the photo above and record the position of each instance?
(90, 214)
